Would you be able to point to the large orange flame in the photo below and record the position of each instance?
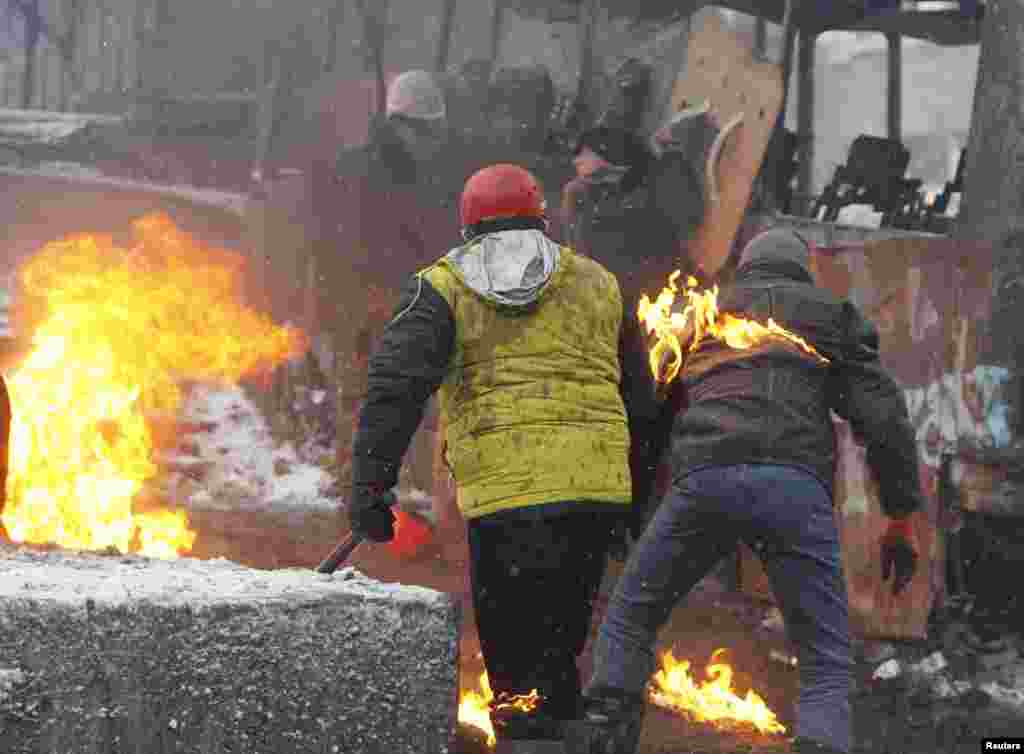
(713, 700)
(118, 329)
(701, 315)
(475, 704)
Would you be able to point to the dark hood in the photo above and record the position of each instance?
(780, 251)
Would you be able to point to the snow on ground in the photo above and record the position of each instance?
(72, 578)
(233, 462)
(1000, 693)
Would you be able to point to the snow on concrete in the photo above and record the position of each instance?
(70, 169)
(40, 131)
(44, 127)
(242, 465)
(9, 678)
(23, 115)
(72, 578)
(231, 202)
(209, 656)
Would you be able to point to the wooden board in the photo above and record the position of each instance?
(721, 70)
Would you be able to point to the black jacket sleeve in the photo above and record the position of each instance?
(638, 394)
(408, 366)
(864, 394)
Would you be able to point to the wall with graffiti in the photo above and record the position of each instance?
(931, 300)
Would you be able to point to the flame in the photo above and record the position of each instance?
(474, 709)
(118, 328)
(702, 315)
(713, 700)
(475, 705)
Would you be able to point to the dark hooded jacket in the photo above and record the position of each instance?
(634, 216)
(771, 403)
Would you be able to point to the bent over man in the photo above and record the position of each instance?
(547, 397)
(752, 459)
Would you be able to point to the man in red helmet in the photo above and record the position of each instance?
(545, 388)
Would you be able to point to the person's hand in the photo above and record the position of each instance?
(370, 513)
(899, 558)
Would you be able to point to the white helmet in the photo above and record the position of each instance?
(415, 94)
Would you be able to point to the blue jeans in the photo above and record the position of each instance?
(784, 514)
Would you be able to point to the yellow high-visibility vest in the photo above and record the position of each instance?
(532, 407)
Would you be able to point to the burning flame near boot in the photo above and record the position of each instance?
(701, 317)
(116, 329)
(475, 706)
(713, 700)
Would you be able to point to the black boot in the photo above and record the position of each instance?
(611, 724)
(514, 723)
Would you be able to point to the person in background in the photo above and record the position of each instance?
(549, 403)
(752, 459)
(634, 214)
(519, 105)
(386, 208)
(630, 211)
(467, 89)
(635, 203)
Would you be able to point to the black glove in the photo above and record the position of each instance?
(899, 558)
(370, 513)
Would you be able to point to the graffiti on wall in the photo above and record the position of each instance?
(960, 409)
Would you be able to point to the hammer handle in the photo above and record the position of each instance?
(341, 553)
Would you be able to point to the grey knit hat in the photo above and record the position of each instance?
(777, 245)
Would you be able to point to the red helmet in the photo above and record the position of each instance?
(501, 191)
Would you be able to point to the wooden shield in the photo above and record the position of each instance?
(721, 70)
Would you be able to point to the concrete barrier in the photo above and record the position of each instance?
(124, 654)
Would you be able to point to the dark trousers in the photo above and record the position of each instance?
(534, 580)
(786, 516)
